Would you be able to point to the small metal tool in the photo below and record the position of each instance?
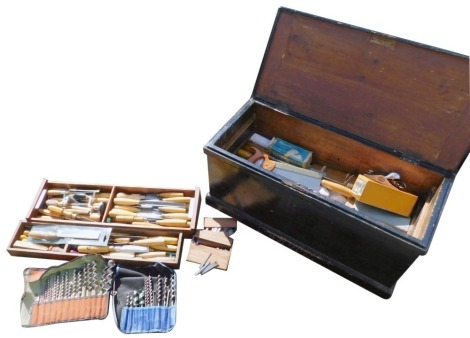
(206, 266)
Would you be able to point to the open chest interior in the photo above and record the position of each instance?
(341, 156)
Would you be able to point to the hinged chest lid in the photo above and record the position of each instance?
(407, 97)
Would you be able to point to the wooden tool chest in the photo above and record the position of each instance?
(359, 100)
(119, 212)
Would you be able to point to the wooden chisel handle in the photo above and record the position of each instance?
(339, 188)
(152, 254)
(120, 212)
(129, 196)
(176, 215)
(172, 209)
(55, 192)
(172, 222)
(129, 219)
(93, 249)
(126, 201)
(181, 199)
(150, 241)
(127, 208)
(170, 194)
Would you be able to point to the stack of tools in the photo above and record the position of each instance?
(380, 195)
(126, 246)
(171, 209)
(76, 290)
(96, 240)
(75, 204)
(212, 246)
(60, 237)
(145, 299)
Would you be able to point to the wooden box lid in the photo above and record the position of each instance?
(408, 98)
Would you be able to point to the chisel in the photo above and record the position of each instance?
(130, 219)
(167, 223)
(129, 216)
(92, 249)
(141, 207)
(136, 199)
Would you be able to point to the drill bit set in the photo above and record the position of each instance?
(77, 290)
(145, 299)
(169, 209)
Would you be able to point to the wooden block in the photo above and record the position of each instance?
(220, 222)
(198, 254)
(215, 239)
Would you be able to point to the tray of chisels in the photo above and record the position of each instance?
(135, 225)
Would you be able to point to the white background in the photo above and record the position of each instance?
(128, 92)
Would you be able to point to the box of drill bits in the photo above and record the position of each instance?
(145, 298)
(347, 149)
(76, 290)
(135, 225)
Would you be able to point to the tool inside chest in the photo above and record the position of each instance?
(135, 225)
(341, 156)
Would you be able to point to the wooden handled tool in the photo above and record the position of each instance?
(135, 199)
(167, 223)
(339, 188)
(131, 218)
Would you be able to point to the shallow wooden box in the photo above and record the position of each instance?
(33, 218)
(359, 100)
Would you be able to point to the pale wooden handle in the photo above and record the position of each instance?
(172, 209)
(129, 219)
(126, 201)
(119, 212)
(176, 215)
(182, 199)
(170, 194)
(339, 188)
(172, 222)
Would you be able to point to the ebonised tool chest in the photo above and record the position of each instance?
(361, 102)
(132, 225)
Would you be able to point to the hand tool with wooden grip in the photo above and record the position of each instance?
(136, 199)
(310, 179)
(151, 208)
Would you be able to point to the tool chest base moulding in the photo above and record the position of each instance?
(132, 225)
(359, 100)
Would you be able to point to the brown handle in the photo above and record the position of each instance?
(170, 194)
(93, 249)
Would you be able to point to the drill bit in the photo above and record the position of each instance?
(172, 289)
(67, 291)
(94, 278)
(159, 291)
